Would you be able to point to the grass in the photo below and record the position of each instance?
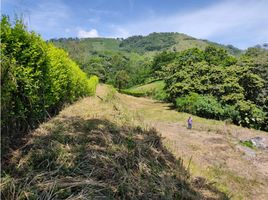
(182, 142)
(228, 179)
(248, 144)
(154, 90)
(102, 147)
(94, 150)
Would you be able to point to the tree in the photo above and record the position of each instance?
(121, 79)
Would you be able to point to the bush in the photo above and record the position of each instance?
(92, 84)
(250, 115)
(37, 79)
(203, 106)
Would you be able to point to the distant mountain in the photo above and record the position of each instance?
(153, 42)
(169, 41)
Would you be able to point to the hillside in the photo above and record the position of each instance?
(200, 77)
(121, 147)
(105, 57)
(169, 42)
(139, 44)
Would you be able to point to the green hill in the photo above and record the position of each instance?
(140, 44)
(169, 42)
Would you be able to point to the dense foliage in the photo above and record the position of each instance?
(152, 42)
(204, 106)
(211, 83)
(105, 56)
(37, 79)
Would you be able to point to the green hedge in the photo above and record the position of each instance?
(37, 79)
(203, 106)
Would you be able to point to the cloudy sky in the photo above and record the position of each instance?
(242, 23)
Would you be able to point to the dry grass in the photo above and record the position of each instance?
(99, 149)
(211, 145)
(104, 147)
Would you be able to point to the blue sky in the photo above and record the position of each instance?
(242, 23)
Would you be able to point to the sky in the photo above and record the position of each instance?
(242, 23)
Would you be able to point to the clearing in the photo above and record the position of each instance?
(212, 147)
(211, 151)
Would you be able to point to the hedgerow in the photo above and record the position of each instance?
(37, 79)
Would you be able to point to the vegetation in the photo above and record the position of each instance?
(78, 155)
(152, 42)
(154, 90)
(37, 79)
(236, 86)
(203, 106)
(104, 57)
(121, 79)
(101, 147)
(248, 144)
(213, 84)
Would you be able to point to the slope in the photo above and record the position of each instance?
(151, 43)
(171, 42)
(212, 147)
(105, 147)
(98, 149)
(154, 89)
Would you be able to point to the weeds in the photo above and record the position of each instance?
(248, 144)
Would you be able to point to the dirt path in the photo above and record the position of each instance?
(212, 146)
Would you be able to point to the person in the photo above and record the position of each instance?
(190, 122)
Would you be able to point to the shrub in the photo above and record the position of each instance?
(203, 106)
(250, 115)
(37, 79)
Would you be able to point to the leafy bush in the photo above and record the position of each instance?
(250, 115)
(92, 84)
(219, 77)
(37, 79)
(203, 106)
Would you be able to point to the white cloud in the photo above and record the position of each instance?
(88, 34)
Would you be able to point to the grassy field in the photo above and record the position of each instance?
(98, 149)
(116, 146)
(212, 148)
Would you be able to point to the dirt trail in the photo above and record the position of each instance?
(212, 146)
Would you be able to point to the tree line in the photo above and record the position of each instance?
(213, 84)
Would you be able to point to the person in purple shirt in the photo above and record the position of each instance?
(190, 122)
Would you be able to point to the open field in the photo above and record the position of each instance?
(108, 146)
